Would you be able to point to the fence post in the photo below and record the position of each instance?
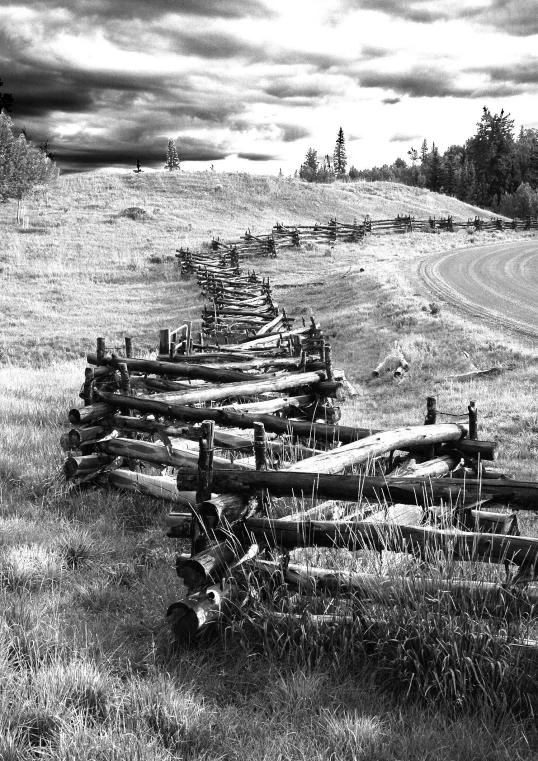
(101, 348)
(431, 417)
(473, 417)
(199, 538)
(164, 341)
(128, 347)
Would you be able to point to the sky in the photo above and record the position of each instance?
(251, 85)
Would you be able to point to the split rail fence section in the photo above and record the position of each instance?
(294, 236)
(227, 422)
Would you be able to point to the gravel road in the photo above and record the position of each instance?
(497, 283)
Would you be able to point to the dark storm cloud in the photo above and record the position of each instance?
(89, 155)
(257, 156)
(141, 9)
(292, 132)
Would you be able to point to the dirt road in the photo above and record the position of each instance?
(497, 283)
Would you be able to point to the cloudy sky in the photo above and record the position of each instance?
(252, 84)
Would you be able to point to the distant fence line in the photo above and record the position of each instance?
(294, 236)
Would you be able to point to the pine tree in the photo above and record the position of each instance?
(138, 167)
(339, 155)
(493, 151)
(172, 158)
(434, 178)
(309, 169)
(424, 153)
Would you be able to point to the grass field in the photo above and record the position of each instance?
(89, 668)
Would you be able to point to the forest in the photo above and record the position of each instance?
(493, 169)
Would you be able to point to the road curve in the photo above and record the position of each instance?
(497, 283)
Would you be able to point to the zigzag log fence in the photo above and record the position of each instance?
(294, 236)
(246, 409)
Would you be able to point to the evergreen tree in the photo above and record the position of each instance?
(492, 150)
(339, 155)
(172, 158)
(310, 166)
(434, 177)
(424, 152)
(138, 167)
(413, 155)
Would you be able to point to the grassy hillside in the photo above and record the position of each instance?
(88, 667)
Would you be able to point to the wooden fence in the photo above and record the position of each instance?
(293, 236)
(247, 409)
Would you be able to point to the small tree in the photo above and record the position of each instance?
(138, 167)
(22, 166)
(339, 155)
(309, 169)
(172, 158)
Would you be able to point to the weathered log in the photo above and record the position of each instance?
(385, 589)
(82, 466)
(521, 495)
(174, 369)
(422, 541)
(357, 452)
(91, 413)
(246, 388)
(208, 565)
(79, 436)
(162, 487)
(162, 455)
(226, 509)
(193, 614)
(440, 466)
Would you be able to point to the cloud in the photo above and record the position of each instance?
(257, 156)
(418, 82)
(419, 11)
(400, 137)
(303, 93)
(518, 18)
(292, 132)
(391, 101)
(522, 73)
(88, 153)
(141, 9)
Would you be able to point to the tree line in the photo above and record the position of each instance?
(493, 169)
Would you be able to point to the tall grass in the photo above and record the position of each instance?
(88, 665)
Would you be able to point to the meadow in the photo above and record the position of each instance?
(90, 669)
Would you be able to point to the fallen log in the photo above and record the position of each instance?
(334, 461)
(193, 614)
(521, 495)
(174, 369)
(439, 466)
(246, 388)
(425, 542)
(385, 589)
(161, 487)
(161, 454)
(85, 464)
